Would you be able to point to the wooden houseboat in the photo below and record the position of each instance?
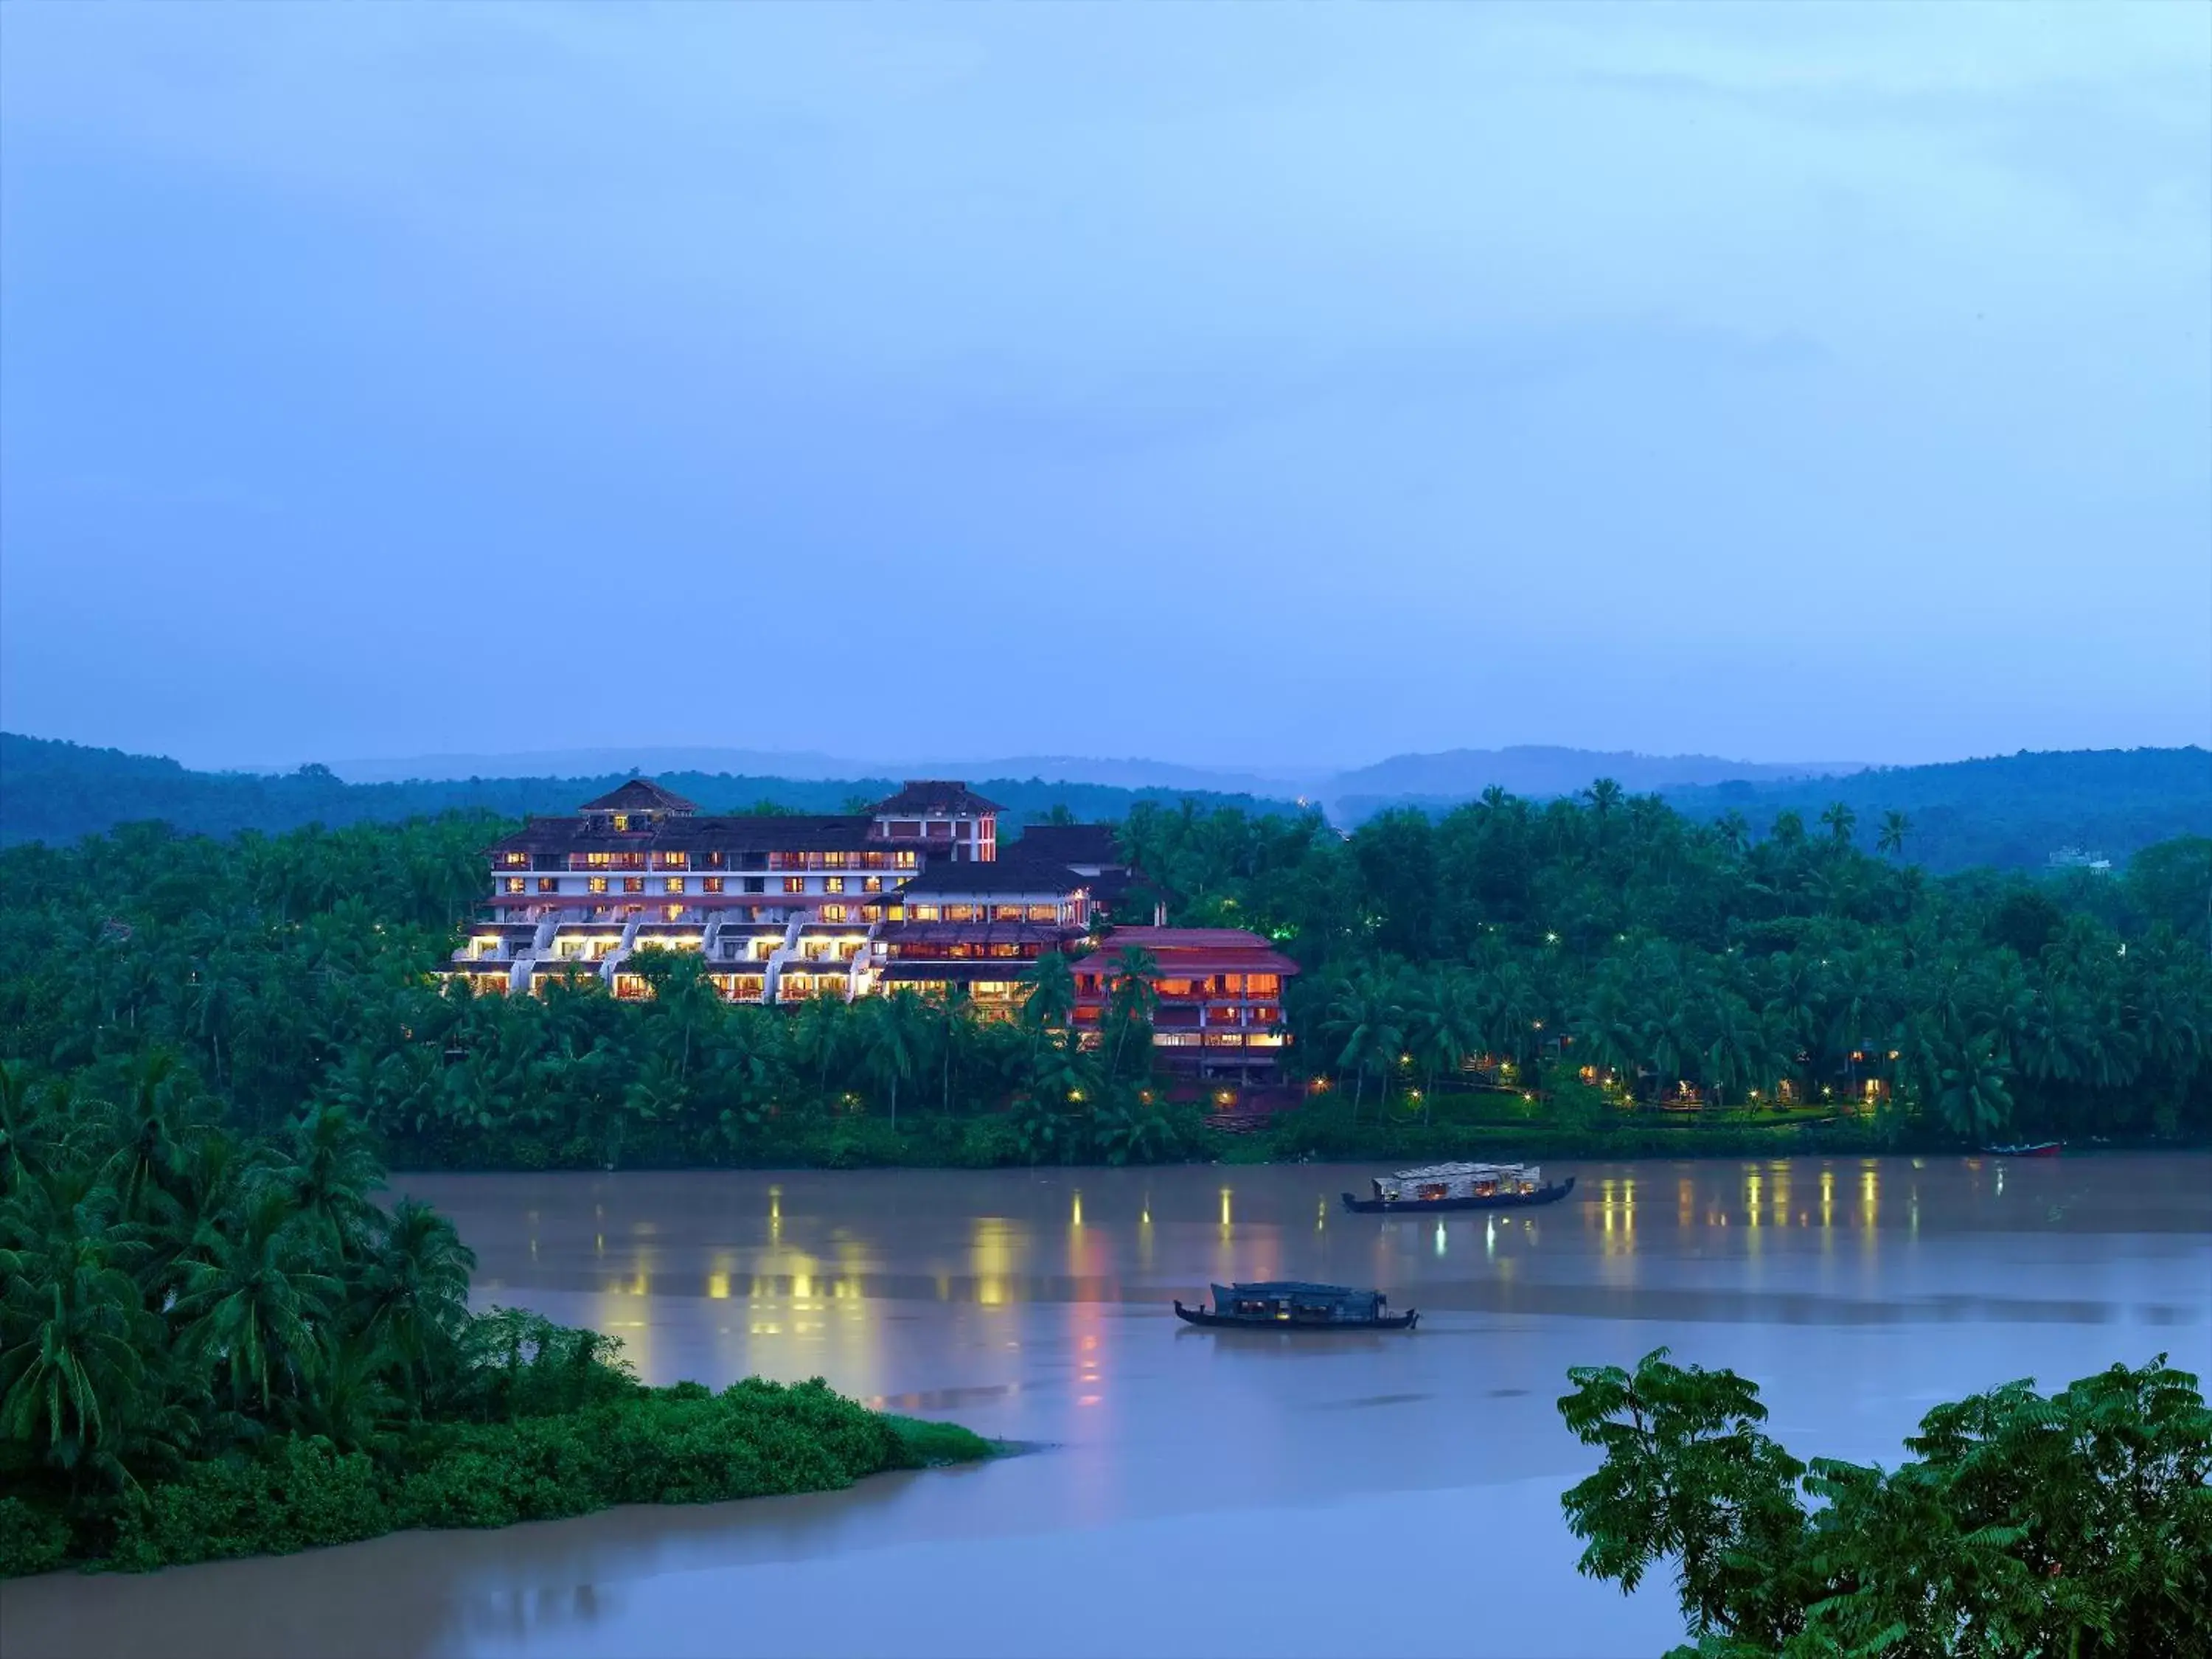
(1460, 1187)
(1292, 1305)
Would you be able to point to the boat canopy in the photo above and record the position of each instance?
(1434, 1180)
(1290, 1298)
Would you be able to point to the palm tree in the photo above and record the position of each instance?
(1895, 827)
(254, 1301)
(1734, 830)
(1134, 995)
(417, 1289)
(333, 1168)
(71, 1381)
(893, 1041)
(1442, 1027)
(1051, 1001)
(1603, 796)
(1367, 1030)
(1841, 821)
(1974, 1102)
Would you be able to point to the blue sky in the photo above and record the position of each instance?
(1222, 384)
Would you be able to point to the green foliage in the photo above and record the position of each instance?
(1446, 962)
(2078, 1524)
(213, 1346)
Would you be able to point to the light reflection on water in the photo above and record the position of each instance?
(1033, 1305)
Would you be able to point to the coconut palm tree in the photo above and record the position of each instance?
(1895, 827)
(1051, 1000)
(1840, 821)
(254, 1299)
(893, 1037)
(1134, 994)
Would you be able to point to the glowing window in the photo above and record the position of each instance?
(597, 883)
(673, 884)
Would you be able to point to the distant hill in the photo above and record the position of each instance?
(2012, 811)
(57, 792)
(1540, 771)
(2009, 812)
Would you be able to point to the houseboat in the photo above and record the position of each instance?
(1290, 1305)
(2026, 1149)
(1460, 1187)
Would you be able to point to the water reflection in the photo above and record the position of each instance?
(1031, 1307)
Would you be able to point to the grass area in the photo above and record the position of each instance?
(683, 1444)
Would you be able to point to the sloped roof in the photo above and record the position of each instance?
(640, 795)
(1009, 874)
(935, 795)
(1072, 843)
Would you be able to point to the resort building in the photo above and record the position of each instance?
(1219, 1014)
(911, 892)
(781, 908)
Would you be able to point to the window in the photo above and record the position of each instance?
(832, 913)
(547, 884)
(963, 912)
(632, 884)
(905, 829)
(922, 913)
(622, 823)
(833, 860)
(1045, 913)
(904, 859)
(940, 830)
(873, 860)
(1006, 913)
(673, 884)
(1005, 950)
(833, 884)
(1262, 985)
(514, 861)
(712, 884)
(755, 884)
(672, 860)
(675, 913)
(597, 860)
(794, 883)
(872, 883)
(516, 883)
(597, 883)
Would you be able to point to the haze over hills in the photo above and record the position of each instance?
(2011, 811)
(1536, 770)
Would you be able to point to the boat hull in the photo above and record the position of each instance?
(1550, 1195)
(2041, 1149)
(1404, 1321)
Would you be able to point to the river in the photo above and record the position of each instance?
(1198, 1493)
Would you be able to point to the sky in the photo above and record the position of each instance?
(1274, 385)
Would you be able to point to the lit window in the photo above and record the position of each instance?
(834, 883)
(794, 883)
(597, 860)
(714, 883)
(963, 912)
(621, 821)
(832, 913)
(922, 913)
(675, 912)
(632, 884)
(905, 858)
(514, 861)
(597, 883)
(673, 884)
(548, 884)
(516, 883)
(872, 883)
(1043, 913)
(1006, 913)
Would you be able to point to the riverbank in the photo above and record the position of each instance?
(680, 1444)
(1011, 1140)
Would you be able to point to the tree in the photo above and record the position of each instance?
(1134, 996)
(2080, 1524)
(1051, 1000)
(1840, 821)
(1975, 1102)
(1895, 827)
(893, 1038)
(253, 1298)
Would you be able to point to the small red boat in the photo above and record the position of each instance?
(2034, 1149)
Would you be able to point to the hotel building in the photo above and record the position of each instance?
(912, 892)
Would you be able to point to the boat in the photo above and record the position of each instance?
(1460, 1187)
(2031, 1149)
(1289, 1304)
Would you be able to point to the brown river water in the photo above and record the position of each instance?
(1198, 1493)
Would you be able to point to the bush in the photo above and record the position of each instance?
(31, 1539)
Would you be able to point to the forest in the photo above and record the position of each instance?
(214, 1343)
(1463, 977)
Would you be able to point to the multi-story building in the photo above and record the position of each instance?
(981, 927)
(781, 907)
(1218, 1009)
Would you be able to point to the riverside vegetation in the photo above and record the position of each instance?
(213, 1345)
(2077, 1524)
(1531, 941)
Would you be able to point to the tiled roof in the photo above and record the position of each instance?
(1010, 874)
(640, 795)
(935, 795)
(1072, 843)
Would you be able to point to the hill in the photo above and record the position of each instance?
(56, 792)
